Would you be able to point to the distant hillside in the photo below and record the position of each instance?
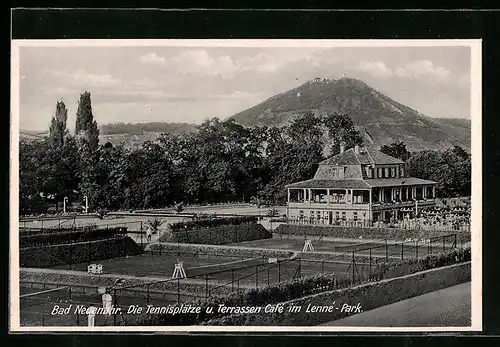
(130, 134)
(141, 128)
(387, 120)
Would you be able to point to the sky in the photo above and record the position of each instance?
(191, 84)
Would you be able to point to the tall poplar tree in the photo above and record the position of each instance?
(86, 126)
(57, 130)
(87, 136)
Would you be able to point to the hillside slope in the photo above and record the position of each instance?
(386, 119)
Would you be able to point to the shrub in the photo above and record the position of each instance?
(219, 235)
(64, 254)
(211, 222)
(71, 236)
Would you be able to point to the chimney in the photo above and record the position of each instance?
(356, 149)
(342, 148)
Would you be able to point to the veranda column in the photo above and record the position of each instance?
(288, 195)
(433, 192)
(328, 196)
(370, 218)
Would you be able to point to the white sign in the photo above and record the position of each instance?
(272, 260)
(179, 271)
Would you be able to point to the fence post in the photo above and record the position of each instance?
(443, 244)
(206, 286)
(370, 263)
(142, 246)
(430, 246)
(267, 276)
(256, 276)
(353, 267)
(455, 241)
(232, 280)
(147, 294)
(279, 271)
(416, 249)
(386, 251)
(300, 268)
(114, 299)
(322, 266)
(178, 291)
(402, 248)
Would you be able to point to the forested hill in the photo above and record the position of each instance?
(385, 119)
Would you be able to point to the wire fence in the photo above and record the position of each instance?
(350, 263)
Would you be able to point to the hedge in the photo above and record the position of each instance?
(50, 276)
(210, 223)
(220, 250)
(286, 291)
(74, 253)
(70, 236)
(368, 233)
(219, 235)
(369, 296)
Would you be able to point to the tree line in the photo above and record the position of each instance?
(220, 161)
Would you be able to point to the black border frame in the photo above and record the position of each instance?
(294, 24)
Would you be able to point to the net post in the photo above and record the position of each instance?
(402, 250)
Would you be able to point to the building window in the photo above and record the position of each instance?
(355, 215)
(337, 215)
(393, 172)
(379, 173)
(344, 216)
(301, 214)
(402, 171)
(386, 172)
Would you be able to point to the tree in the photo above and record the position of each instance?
(57, 130)
(340, 130)
(86, 127)
(396, 150)
(451, 169)
(87, 138)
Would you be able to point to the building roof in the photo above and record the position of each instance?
(388, 182)
(359, 184)
(334, 184)
(366, 156)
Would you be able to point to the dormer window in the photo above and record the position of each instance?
(369, 172)
(333, 172)
(393, 172)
